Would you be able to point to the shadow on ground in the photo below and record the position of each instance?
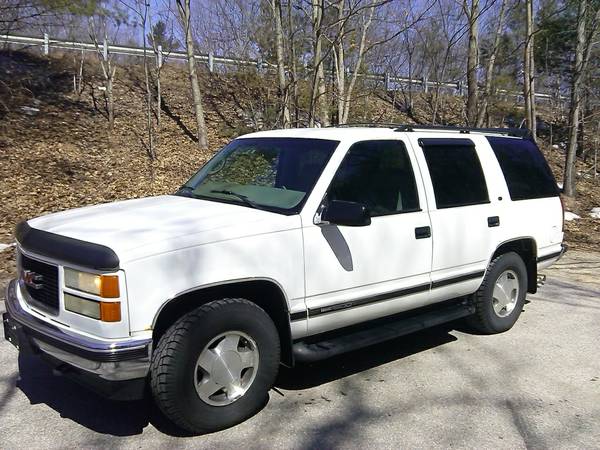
(115, 418)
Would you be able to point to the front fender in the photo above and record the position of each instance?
(153, 281)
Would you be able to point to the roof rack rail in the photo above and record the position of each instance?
(515, 132)
(367, 125)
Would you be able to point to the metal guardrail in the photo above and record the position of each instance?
(46, 43)
(390, 82)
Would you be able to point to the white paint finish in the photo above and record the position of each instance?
(143, 227)
(153, 281)
(331, 321)
(347, 263)
(168, 245)
(461, 237)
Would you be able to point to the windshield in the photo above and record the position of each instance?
(275, 174)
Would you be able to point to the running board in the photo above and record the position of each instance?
(307, 352)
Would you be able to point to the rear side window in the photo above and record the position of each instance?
(379, 175)
(456, 172)
(525, 169)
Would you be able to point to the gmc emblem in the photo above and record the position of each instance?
(32, 279)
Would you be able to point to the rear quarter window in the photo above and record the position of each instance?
(525, 169)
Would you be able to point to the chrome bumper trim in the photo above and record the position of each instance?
(110, 359)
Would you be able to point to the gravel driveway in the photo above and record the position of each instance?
(536, 386)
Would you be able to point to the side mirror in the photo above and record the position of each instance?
(339, 212)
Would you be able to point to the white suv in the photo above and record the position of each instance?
(288, 246)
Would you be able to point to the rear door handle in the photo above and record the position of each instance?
(493, 221)
(422, 232)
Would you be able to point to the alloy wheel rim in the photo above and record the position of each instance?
(226, 368)
(506, 293)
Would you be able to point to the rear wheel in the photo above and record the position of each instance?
(213, 368)
(500, 299)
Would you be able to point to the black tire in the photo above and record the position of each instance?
(174, 360)
(486, 320)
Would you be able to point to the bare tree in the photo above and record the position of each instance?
(141, 9)
(185, 16)
(107, 64)
(489, 69)
(279, 47)
(529, 70)
(344, 91)
(582, 58)
(472, 13)
(452, 31)
(317, 87)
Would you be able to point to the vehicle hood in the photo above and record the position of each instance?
(143, 227)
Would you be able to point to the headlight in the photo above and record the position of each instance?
(104, 311)
(106, 286)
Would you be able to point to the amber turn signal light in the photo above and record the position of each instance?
(108, 286)
(110, 311)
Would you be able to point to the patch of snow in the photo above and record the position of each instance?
(5, 246)
(595, 213)
(571, 216)
(29, 110)
(560, 185)
(555, 146)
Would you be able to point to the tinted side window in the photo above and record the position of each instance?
(526, 171)
(455, 171)
(379, 175)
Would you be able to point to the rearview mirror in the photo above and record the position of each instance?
(352, 214)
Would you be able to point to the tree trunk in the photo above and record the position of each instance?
(149, 125)
(340, 66)
(159, 64)
(318, 79)
(110, 99)
(185, 15)
(361, 54)
(529, 72)
(482, 115)
(292, 65)
(575, 110)
(283, 88)
(472, 61)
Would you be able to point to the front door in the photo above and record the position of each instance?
(355, 274)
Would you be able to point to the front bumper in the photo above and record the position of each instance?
(101, 360)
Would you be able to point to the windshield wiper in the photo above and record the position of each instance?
(242, 197)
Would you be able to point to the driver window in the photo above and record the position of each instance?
(379, 175)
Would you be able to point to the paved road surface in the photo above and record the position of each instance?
(536, 386)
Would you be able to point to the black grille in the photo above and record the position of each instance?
(47, 295)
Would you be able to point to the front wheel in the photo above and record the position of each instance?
(500, 298)
(213, 368)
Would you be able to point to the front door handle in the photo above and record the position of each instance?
(422, 232)
(493, 221)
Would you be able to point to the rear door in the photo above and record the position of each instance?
(463, 209)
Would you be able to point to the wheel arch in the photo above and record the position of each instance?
(265, 292)
(526, 248)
